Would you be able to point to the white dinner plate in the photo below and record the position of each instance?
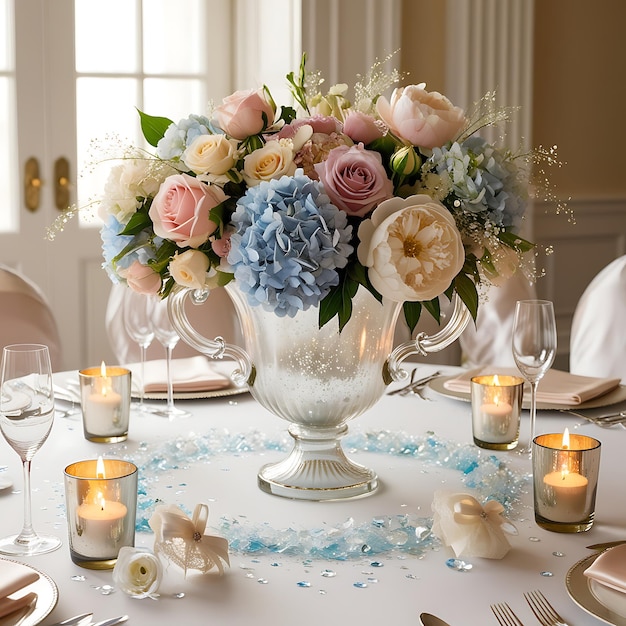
(612, 397)
(232, 390)
(47, 596)
(584, 592)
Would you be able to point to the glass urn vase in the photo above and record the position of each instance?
(317, 379)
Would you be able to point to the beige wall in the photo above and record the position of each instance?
(579, 86)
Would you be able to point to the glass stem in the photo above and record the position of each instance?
(170, 382)
(28, 534)
(142, 348)
(533, 414)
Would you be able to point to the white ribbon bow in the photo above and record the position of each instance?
(182, 540)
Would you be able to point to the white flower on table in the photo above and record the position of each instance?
(138, 572)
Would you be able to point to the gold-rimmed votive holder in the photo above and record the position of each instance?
(496, 410)
(101, 508)
(105, 394)
(565, 481)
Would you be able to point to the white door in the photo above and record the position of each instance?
(72, 72)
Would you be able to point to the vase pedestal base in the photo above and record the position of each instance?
(317, 469)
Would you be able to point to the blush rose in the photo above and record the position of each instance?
(142, 278)
(180, 210)
(244, 113)
(354, 179)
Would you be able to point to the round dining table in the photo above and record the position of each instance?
(371, 560)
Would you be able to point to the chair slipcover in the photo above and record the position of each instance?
(216, 317)
(25, 315)
(598, 337)
(489, 342)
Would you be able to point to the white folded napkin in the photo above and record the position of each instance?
(12, 579)
(193, 374)
(610, 568)
(556, 387)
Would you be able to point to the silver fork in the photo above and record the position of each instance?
(543, 610)
(505, 615)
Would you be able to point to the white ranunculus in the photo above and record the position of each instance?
(189, 268)
(132, 179)
(273, 160)
(210, 154)
(138, 572)
(411, 247)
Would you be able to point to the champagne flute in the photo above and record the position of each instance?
(534, 347)
(137, 312)
(26, 415)
(168, 338)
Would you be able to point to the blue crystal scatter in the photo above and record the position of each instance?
(459, 565)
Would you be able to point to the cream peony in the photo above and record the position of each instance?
(189, 268)
(424, 118)
(412, 248)
(138, 572)
(273, 160)
(210, 154)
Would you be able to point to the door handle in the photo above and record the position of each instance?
(62, 183)
(32, 184)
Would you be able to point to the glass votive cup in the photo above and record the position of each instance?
(565, 481)
(496, 410)
(105, 394)
(101, 508)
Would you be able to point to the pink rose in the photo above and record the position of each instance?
(354, 179)
(142, 279)
(221, 247)
(425, 119)
(244, 113)
(361, 127)
(319, 123)
(180, 210)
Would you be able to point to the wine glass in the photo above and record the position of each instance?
(168, 338)
(534, 347)
(26, 415)
(137, 312)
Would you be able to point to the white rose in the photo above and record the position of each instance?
(210, 154)
(273, 160)
(137, 572)
(412, 248)
(189, 268)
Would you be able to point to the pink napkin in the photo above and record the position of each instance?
(193, 374)
(610, 568)
(556, 387)
(12, 579)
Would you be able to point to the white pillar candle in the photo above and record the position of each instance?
(569, 495)
(100, 528)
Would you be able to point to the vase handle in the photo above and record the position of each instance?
(213, 348)
(423, 343)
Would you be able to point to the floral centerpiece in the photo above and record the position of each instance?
(301, 205)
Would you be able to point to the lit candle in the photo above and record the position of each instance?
(566, 488)
(496, 404)
(100, 520)
(103, 406)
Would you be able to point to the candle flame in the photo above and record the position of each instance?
(103, 369)
(100, 468)
(566, 439)
(100, 501)
(496, 380)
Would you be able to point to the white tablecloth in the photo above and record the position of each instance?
(264, 589)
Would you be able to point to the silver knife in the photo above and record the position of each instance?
(111, 621)
(78, 620)
(605, 546)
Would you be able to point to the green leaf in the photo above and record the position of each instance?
(466, 289)
(287, 114)
(434, 308)
(138, 222)
(153, 128)
(514, 241)
(338, 302)
(412, 313)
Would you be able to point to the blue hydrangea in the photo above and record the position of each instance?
(178, 136)
(113, 243)
(289, 242)
(484, 179)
